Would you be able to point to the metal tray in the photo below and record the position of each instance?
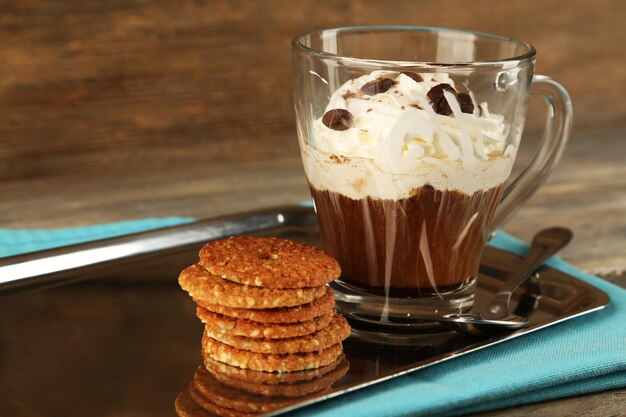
(120, 337)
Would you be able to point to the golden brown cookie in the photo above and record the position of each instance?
(218, 323)
(266, 378)
(315, 385)
(269, 262)
(305, 312)
(207, 287)
(334, 333)
(225, 396)
(213, 408)
(186, 407)
(269, 362)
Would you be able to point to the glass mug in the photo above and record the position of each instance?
(408, 136)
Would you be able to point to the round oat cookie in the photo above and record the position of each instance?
(225, 396)
(334, 333)
(269, 362)
(246, 328)
(298, 389)
(249, 376)
(305, 312)
(269, 262)
(186, 407)
(207, 287)
(213, 408)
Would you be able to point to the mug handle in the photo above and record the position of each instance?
(551, 147)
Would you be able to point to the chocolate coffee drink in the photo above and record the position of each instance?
(406, 172)
(422, 244)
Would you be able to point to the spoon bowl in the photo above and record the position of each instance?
(497, 317)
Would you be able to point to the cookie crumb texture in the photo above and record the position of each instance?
(219, 323)
(269, 262)
(330, 335)
(269, 362)
(205, 286)
(296, 314)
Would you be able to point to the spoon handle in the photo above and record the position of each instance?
(545, 244)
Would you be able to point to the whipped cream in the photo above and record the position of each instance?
(396, 142)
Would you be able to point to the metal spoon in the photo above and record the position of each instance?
(496, 316)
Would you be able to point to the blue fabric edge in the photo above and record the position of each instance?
(20, 241)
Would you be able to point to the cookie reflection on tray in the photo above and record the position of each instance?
(225, 390)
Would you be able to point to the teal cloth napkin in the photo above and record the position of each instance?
(582, 355)
(18, 241)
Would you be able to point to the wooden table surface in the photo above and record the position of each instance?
(129, 109)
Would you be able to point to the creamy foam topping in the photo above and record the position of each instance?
(396, 142)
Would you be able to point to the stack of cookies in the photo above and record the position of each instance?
(271, 330)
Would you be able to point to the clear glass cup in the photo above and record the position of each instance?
(408, 136)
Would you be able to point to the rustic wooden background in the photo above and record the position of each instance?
(136, 108)
(126, 87)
